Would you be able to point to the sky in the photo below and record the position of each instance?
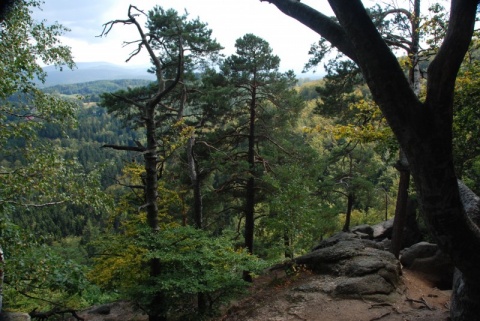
(228, 19)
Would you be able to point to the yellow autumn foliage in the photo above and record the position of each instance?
(122, 266)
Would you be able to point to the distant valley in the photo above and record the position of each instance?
(93, 71)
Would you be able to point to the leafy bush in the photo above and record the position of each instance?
(36, 276)
(192, 262)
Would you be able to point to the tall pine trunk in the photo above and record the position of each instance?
(197, 208)
(157, 309)
(250, 188)
(401, 206)
(348, 214)
(414, 79)
(2, 263)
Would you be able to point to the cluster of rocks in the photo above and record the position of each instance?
(355, 264)
(362, 265)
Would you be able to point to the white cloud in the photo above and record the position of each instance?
(228, 19)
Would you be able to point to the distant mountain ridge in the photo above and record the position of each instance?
(92, 90)
(93, 71)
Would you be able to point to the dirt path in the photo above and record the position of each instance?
(299, 298)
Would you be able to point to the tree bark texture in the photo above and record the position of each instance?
(423, 129)
(348, 214)
(151, 174)
(157, 305)
(250, 189)
(2, 264)
(465, 299)
(196, 184)
(401, 208)
(402, 164)
(156, 308)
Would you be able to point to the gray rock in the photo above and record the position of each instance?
(428, 259)
(334, 239)
(308, 288)
(360, 266)
(364, 229)
(371, 284)
(14, 316)
(417, 251)
(331, 259)
(383, 230)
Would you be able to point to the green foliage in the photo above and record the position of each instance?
(39, 175)
(32, 269)
(23, 42)
(340, 90)
(304, 167)
(167, 26)
(466, 125)
(34, 172)
(192, 261)
(296, 218)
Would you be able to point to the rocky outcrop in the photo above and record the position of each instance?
(361, 267)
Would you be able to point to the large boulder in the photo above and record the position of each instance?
(383, 230)
(361, 266)
(428, 259)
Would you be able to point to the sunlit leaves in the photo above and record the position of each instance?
(369, 126)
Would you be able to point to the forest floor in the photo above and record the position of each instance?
(281, 298)
(277, 297)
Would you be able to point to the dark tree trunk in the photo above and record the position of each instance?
(249, 215)
(401, 207)
(157, 309)
(2, 265)
(157, 305)
(197, 208)
(465, 304)
(151, 175)
(286, 244)
(196, 184)
(411, 233)
(402, 164)
(250, 188)
(423, 129)
(348, 214)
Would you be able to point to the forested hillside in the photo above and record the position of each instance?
(175, 194)
(82, 144)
